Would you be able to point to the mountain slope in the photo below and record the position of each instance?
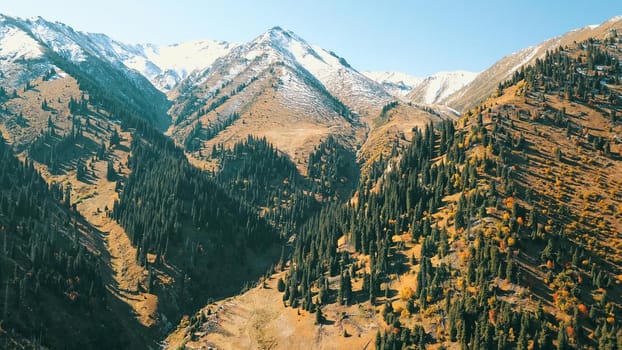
(435, 88)
(265, 87)
(53, 269)
(487, 81)
(396, 83)
(293, 93)
(76, 114)
(167, 66)
(74, 142)
(34, 47)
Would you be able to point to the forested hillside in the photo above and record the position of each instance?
(256, 173)
(192, 240)
(52, 283)
(178, 217)
(522, 223)
(297, 204)
(500, 230)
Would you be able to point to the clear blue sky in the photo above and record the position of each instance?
(418, 37)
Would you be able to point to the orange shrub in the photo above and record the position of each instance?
(550, 265)
(570, 332)
(582, 310)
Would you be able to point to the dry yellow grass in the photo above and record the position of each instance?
(258, 320)
(56, 92)
(584, 182)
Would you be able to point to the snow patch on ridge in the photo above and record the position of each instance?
(397, 83)
(527, 54)
(166, 66)
(16, 44)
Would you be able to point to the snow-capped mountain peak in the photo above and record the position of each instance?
(429, 90)
(22, 56)
(397, 83)
(437, 87)
(333, 71)
(277, 34)
(166, 66)
(281, 42)
(319, 67)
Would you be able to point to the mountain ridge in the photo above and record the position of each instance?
(486, 82)
(398, 83)
(166, 66)
(435, 88)
(57, 46)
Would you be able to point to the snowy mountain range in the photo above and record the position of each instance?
(399, 84)
(437, 87)
(30, 48)
(26, 46)
(314, 66)
(167, 66)
(277, 85)
(292, 92)
(429, 90)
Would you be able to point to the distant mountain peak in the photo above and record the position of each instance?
(276, 29)
(438, 86)
(427, 90)
(397, 83)
(278, 37)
